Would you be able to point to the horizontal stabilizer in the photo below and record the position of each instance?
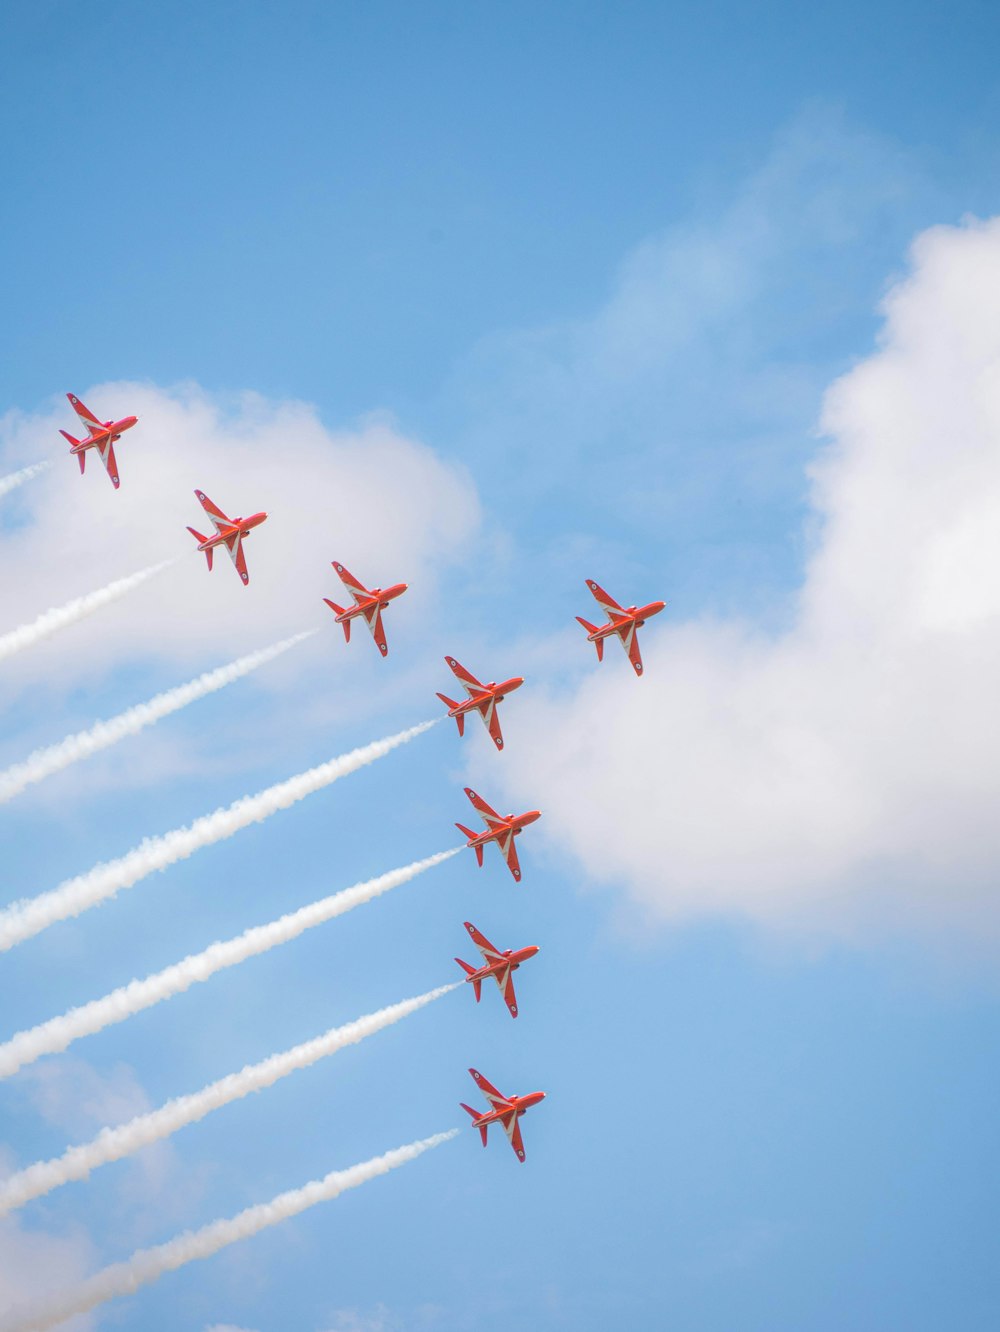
(451, 705)
(201, 541)
(475, 1115)
(338, 611)
(477, 985)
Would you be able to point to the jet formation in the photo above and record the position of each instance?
(623, 623)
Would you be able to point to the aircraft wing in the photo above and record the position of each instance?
(509, 852)
(512, 1127)
(107, 452)
(496, 1099)
(373, 619)
(86, 415)
(466, 678)
(606, 602)
(505, 980)
(357, 590)
(630, 642)
(235, 547)
(489, 953)
(488, 711)
(481, 807)
(219, 519)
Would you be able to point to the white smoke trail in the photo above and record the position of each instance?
(30, 634)
(26, 918)
(59, 1032)
(111, 1144)
(148, 1265)
(15, 479)
(44, 762)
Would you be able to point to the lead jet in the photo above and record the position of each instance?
(506, 1110)
(101, 435)
(368, 604)
(622, 620)
(482, 699)
(499, 829)
(229, 532)
(501, 966)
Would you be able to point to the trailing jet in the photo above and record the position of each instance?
(368, 604)
(500, 829)
(482, 699)
(101, 435)
(506, 1110)
(229, 532)
(501, 966)
(623, 621)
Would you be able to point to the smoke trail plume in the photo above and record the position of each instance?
(59, 1032)
(148, 1265)
(15, 479)
(26, 918)
(111, 1144)
(30, 634)
(44, 762)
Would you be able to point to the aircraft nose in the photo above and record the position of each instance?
(532, 815)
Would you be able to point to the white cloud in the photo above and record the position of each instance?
(384, 504)
(33, 1262)
(848, 768)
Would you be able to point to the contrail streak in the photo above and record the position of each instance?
(59, 1032)
(111, 1144)
(14, 479)
(30, 634)
(29, 917)
(147, 1265)
(44, 762)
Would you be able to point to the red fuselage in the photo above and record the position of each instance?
(111, 434)
(638, 615)
(512, 957)
(513, 823)
(516, 1103)
(494, 691)
(379, 596)
(238, 526)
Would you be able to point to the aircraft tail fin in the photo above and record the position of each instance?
(472, 837)
(201, 539)
(475, 1115)
(82, 455)
(339, 610)
(460, 718)
(477, 985)
(592, 629)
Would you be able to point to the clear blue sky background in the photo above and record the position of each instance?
(412, 209)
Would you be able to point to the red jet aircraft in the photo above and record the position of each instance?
(499, 829)
(623, 621)
(229, 532)
(482, 699)
(101, 435)
(501, 966)
(506, 1110)
(369, 604)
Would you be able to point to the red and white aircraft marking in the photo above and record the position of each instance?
(482, 699)
(622, 620)
(506, 1110)
(368, 604)
(229, 532)
(501, 966)
(101, 435)
(499, 829)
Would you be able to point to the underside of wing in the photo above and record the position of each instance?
(490, 953)
(488, 711)
(357, 589)
(107, 453)
(630, 641)
(219, 519)
(235, 547)
(467, 679)
(481, 807)
(509, 851)
(85, 414)
(606, 602)
(506, 983)
(495, 1098)
(512, 1127)
(373, 619)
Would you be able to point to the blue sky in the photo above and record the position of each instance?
(564, 291)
